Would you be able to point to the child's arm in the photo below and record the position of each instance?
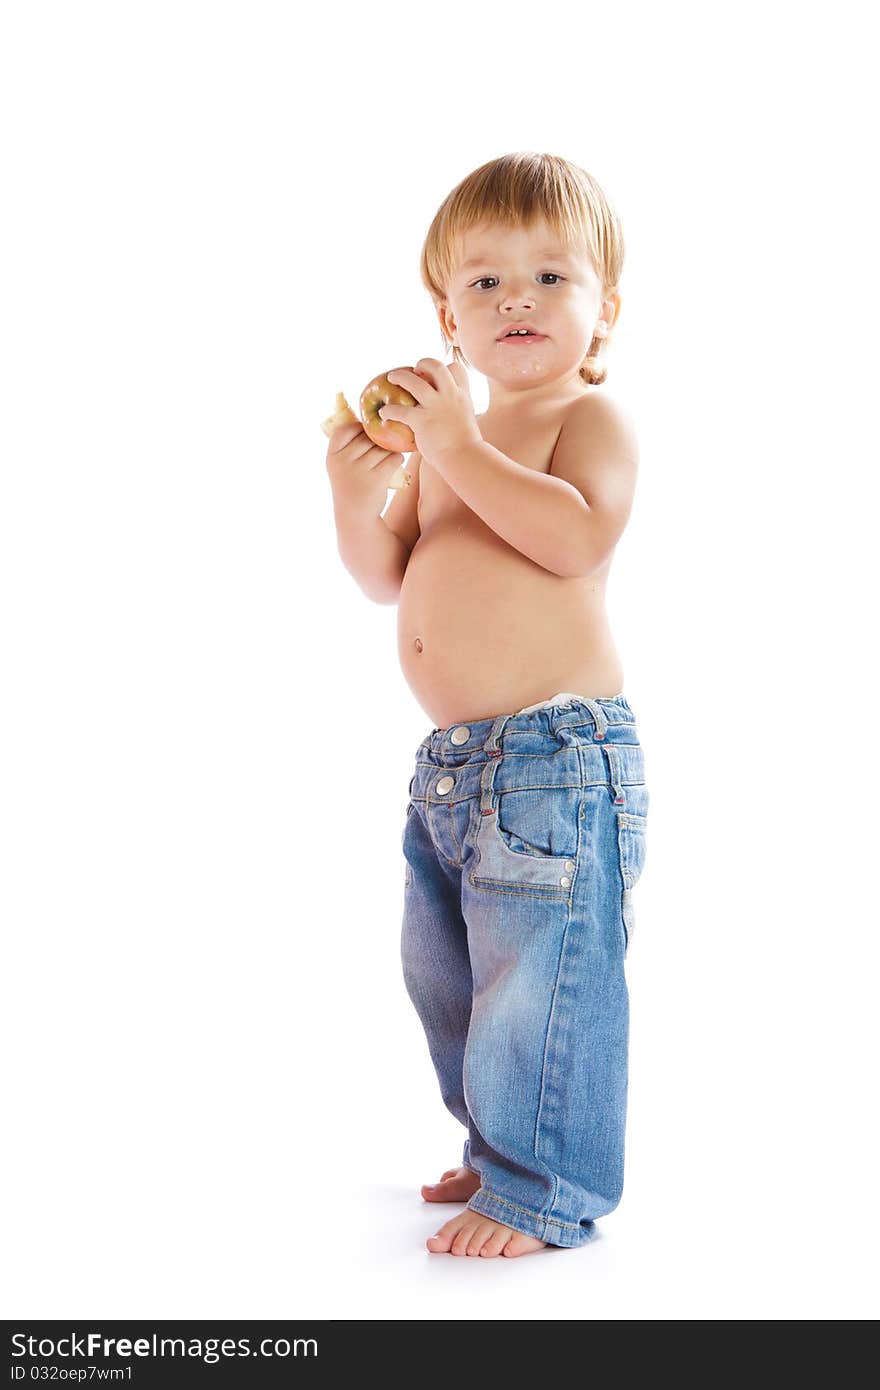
(567, 520)
(374, 556)
(374, 552)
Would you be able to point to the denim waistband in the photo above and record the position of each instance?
(603, 746)
(578, 710)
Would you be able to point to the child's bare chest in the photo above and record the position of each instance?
(483, 628)
(530, 445)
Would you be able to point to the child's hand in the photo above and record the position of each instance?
(360, 472)
(444, 417)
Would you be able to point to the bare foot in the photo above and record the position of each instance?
(456, 1185)
(469, 1233)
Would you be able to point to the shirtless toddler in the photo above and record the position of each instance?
(525, 828)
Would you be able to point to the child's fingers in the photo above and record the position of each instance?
(343, 435)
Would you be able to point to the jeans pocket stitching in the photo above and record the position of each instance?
(502, 869)
(503, 808)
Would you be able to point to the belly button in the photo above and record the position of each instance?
(418, 644)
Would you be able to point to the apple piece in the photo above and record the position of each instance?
(400, 479)
(343, 415)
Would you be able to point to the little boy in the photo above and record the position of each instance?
(525, 828)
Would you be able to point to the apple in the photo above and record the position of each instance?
(388, 434)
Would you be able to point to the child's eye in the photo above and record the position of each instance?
(551, 273)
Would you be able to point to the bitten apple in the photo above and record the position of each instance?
(388, 434)
(344, 415)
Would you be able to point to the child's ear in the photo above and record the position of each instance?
(446, 323)
(611, 310)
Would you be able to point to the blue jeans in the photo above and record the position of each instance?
(523, 841)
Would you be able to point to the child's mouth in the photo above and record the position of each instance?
(523, 338)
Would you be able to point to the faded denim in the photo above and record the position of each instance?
(524, 839)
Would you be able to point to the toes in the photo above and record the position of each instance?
(433, 1186)
(497, 1241)
(456, 1185)
(520, 1244)
(445, 1238)
(438, 1244)
(480, 1237)
(462, 1240)
(470, 1234)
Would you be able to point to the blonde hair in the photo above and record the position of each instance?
(519, 190)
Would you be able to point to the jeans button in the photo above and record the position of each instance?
(444, 785)
(569, 864)
(460, 735)
(564, 881)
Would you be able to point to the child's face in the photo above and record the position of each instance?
(519, 275)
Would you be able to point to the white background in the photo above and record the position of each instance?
(218, 1098)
